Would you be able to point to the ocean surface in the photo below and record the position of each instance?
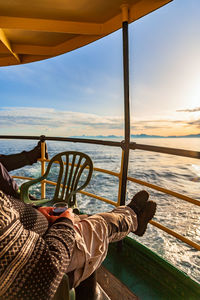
(179, 174)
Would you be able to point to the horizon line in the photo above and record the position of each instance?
(141, 136)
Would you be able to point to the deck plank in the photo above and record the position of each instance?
(113, 287)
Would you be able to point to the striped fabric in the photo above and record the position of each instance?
(31, 266)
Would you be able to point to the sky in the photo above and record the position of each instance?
(81, 92)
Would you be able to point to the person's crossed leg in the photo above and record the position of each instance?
(113, 226)
(94, 233)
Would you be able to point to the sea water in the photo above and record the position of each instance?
(180, 174)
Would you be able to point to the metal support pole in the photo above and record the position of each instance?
(126, 113)
(43, 159)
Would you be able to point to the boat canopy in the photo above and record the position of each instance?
(36, 30)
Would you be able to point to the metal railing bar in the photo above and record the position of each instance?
(86, 141)
(64, 139)
(144, 183)
(132, 145)
(22, 177)
(153, 186)
(81, 192)
(166, 191)
(87, 194)
(175, 234)
(166, 150)
(20, 137)
(107, 172)
(99, 198)
(95, 169)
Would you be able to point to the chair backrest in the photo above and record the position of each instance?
(71, 178)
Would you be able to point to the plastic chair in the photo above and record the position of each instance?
(69, 180)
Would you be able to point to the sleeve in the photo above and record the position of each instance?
(31, 266)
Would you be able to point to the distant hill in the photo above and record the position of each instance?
(135, 136)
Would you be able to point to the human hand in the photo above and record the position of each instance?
(48, 213)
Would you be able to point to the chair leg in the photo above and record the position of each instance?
(87, 288)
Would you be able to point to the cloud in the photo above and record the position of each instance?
(195, 123)
(189, 110)
(53, 120)
(50, 121)
(155, 124)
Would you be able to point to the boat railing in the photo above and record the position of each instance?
(132, 146)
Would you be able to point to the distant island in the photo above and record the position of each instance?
(135, 136)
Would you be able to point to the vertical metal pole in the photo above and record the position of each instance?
(126, 112)
(120, 179)
(43, 159)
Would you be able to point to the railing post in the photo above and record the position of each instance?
(120, 178)
(126, 103)
(43, 159)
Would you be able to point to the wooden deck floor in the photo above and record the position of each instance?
(114, 288)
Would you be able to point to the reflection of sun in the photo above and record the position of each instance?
(194, 101)
(196, 169)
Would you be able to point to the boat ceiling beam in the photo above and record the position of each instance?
(50, 25)
(33, 49)
(6, 43)
(70, 45)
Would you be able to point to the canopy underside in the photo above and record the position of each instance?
(33, 31)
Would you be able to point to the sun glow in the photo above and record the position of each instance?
(195, 96)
